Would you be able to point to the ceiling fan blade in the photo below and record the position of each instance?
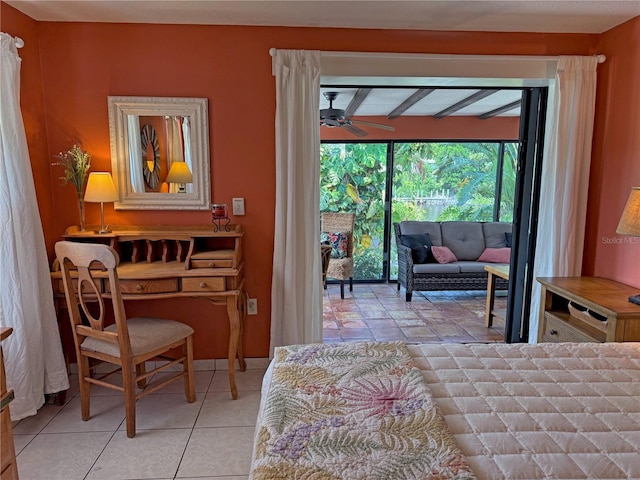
(329, 122)
(358, 132)
(374, 125)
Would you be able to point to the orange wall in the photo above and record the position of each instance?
(616, 157)
(64, 101)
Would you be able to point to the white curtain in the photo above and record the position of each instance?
(33, 353)
(135, 154)
(186, 138)
(296, 292)
(565, 176)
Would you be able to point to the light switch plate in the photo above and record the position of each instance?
(238, 206)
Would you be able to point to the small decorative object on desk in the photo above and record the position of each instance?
(220, 213)
(76, 163)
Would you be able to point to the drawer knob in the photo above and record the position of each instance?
(138, 287)
(553, 332)
(211, 265)
(203, 284)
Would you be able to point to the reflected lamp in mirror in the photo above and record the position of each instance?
(100, 188)
(179, 174)
(630, 223)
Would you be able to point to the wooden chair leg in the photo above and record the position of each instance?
(351, 284)
(85, 387)
(128, 382)
(187, 366)
(342, 289)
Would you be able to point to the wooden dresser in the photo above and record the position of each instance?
(8, 467)
(587, 309)
(177, 261)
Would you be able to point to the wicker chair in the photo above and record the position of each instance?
(340, 268)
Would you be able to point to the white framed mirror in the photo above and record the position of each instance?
(148, 136)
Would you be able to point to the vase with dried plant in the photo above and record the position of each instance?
(76, 163)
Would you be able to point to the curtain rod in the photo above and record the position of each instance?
(601, 57)
(19, 42)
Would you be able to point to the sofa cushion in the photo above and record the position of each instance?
(467, 266)
(464, 239)
(495, 255)
(420, 245)
(436, 268)
(494, 234)
(443, 254)
(409, 227)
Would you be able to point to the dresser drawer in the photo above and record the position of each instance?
(204, 284)
(556, 330)
(160, 285)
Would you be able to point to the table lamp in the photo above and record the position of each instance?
(630, 223)
(100, 188)
(179, 173)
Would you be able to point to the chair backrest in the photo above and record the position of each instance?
(339, 222)
(79, 264)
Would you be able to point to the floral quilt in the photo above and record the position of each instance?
(352, 411)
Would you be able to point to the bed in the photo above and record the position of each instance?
(373, 410)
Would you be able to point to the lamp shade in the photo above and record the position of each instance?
(100, 188)
(179, 173)
(630, 220)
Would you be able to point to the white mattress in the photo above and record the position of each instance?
(553, 411)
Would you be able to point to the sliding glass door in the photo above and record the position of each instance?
(436, 181)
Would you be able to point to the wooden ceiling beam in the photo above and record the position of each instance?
(499, 110)
(409, 102)
(479, 95)
(356, 101)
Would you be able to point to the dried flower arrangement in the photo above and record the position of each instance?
(76, 163)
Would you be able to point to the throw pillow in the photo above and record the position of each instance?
(420, 245)
(495, 255)
(443, 254)
(507, 238)
(339, 242)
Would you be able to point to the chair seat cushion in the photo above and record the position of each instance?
(145, 334)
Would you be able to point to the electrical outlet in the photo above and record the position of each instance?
(252, 306)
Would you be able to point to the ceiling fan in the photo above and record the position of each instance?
(336, 117)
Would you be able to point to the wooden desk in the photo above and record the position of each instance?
(501, 271)
(600, 311)
(172, 262)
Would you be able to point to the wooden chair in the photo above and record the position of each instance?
(340, 268)
(128, 343)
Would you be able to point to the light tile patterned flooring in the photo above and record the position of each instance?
(212, 438)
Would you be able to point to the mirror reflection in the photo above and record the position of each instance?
(160, 152)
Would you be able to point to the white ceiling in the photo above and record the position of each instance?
(570, 16)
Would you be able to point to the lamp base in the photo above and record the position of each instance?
(635, 299)
(102, 231)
